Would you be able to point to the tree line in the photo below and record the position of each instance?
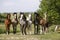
(52, 10)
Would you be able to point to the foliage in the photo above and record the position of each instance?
(52, 8)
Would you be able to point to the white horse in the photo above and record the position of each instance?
(29, 20)
(22, 24)
(21, 20)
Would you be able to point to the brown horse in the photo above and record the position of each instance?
(8, 23)
(44, 25)
(14, 22)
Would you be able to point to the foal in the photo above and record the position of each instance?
(8, 23)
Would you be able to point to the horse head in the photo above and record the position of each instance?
(8, 20)
(8, 16)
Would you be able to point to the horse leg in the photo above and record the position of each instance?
(43, 29)
(8, 29)
(46, 26)
(35, 29)
(25, 29)
(38, 29)
(14, 28)
(46, 29)
(29, 25)
(30, 28)
(22, 28)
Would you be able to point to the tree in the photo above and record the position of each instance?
(52, 8)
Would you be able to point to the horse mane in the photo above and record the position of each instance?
(24, 17)
(20, 14)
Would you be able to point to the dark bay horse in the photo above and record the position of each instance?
(36, 23)
(23, 23)
(14, 22)
(8, 23)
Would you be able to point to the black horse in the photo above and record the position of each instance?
(36, 23)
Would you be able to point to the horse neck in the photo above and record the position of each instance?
(8, 18)
(36, 17)
(15, 16)
(24, 18)
(21, 17)
(29, 18)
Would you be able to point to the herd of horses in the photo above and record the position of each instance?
(25, 23)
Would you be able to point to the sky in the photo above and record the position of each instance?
(19, 5)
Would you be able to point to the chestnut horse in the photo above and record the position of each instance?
(8, 23)
(44, 25)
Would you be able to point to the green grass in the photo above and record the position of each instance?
(51, 35)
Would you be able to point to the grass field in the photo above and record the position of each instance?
(51, 35)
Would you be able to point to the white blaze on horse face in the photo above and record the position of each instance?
(15, 14)
(21, 16)
(29, 15)
(27, 18)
